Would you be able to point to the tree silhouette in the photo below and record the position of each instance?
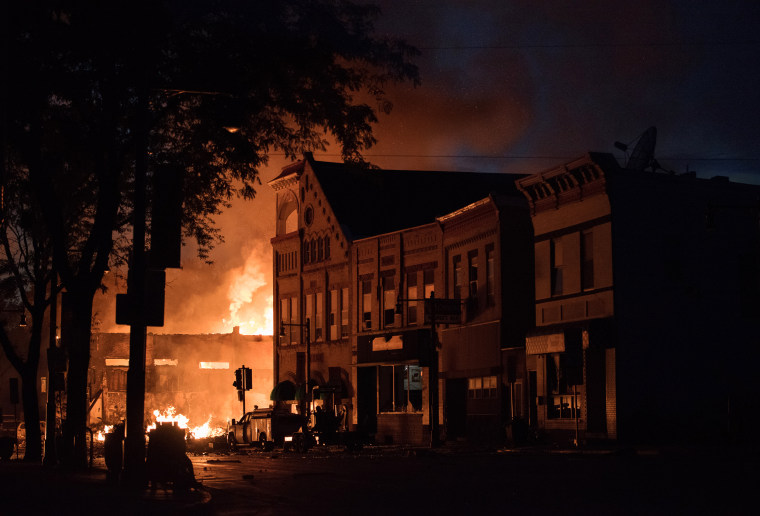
(87, 80)
(26, 278)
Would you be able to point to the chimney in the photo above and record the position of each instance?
(236, 330)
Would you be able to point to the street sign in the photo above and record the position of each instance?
(445, 311)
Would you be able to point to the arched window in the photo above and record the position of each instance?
(327, 248)
(320, 250)
(306, 251)
(313, 251)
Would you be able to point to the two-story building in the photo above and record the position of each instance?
(357, 252)
(647, 299)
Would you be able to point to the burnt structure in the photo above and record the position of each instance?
(193, 373)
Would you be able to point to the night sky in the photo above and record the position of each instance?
(520, 87)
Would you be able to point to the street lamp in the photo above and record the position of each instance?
(307, 390)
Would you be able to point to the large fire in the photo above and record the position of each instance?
(196, 432)
(249, 308)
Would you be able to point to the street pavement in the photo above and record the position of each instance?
(402, 480)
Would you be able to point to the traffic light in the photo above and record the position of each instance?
(238, 383)
(248, 378)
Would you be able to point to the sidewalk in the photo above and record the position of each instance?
(27, 489)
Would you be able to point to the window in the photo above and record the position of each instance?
(472, 272)
(117, 380)
(587, 260)
(308, 215)
(556, 263)
(389, 301)
(285, 317)
(563, 377)
(327, 248)
(344, 312)
(366, 305)
(482, 387)
(458, 279)
(319, 316)
(428, 279)
(490, 277)
(313, 251)
(295, 330)
(307, 252)
(400, 388)
(320, 250)
(333, 322)
(411, 295)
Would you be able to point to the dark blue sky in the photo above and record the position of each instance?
(520, 85)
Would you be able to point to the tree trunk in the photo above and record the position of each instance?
(31, 405)
(74, 445)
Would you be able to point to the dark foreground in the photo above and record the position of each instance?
(396, 480)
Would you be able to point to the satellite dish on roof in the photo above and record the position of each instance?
(643, 154)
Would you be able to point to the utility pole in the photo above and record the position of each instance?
(50, 413)
(434, 437)
(134, 445)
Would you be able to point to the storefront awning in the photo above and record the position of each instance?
(283, 391)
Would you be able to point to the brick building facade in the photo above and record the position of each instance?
(356, 253)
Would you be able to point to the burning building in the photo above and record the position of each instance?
(194, 374)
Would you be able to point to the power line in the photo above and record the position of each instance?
(519, 46)
(506, 156)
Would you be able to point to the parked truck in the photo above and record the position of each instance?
(266, 428)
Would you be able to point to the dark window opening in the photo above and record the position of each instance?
(490, 277)
(472, 265)
(389, 301)
(587, 260)
(458, 277)
(411, 295)
(557, 266)
(367, 305)
(400, 388)
(564, 387)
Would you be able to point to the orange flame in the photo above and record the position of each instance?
(250, 309)
(197, 432)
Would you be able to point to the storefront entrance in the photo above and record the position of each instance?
(456, 408)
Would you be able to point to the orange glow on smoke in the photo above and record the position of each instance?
(249, 294)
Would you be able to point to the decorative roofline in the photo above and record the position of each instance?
(566, 183)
